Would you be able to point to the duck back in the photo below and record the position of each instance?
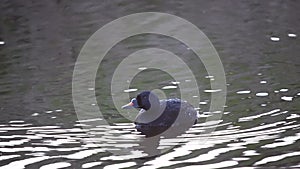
(176, 116)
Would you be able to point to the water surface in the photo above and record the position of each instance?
(258, 43)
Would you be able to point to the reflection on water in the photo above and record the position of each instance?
(258, 43)
(24, 144)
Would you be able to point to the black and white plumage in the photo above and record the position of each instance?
(162, 117)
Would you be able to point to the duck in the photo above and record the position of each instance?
(162, 117)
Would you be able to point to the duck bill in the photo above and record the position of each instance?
(128, 106)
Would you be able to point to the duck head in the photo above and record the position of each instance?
(145, 100)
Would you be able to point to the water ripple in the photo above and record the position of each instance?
(36, 144)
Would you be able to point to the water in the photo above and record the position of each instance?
(258, 43)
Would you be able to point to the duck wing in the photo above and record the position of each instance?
(177, 114)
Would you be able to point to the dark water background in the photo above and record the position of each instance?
(38, 123)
